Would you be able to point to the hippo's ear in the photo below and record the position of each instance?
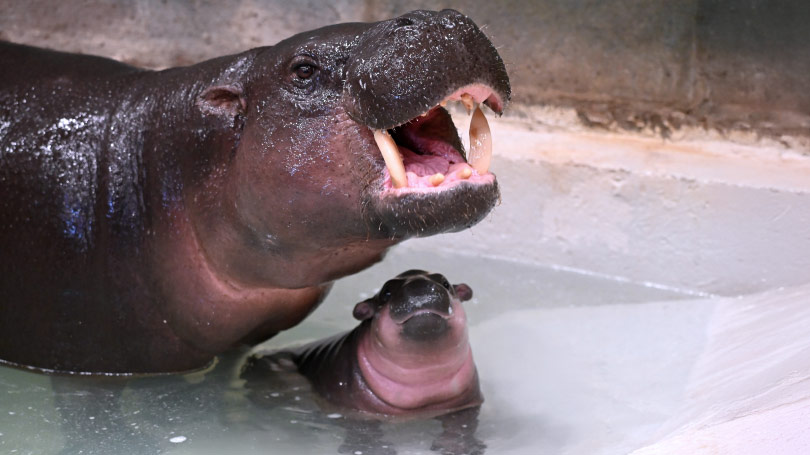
(222, 100)
(463, 292)
(365, 309)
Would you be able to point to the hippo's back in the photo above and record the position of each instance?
(55, 116)
(27, 65)
(55, 111)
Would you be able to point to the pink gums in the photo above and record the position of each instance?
(479, 93)
(419, 169)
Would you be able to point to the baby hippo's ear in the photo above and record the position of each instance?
(365, 309)
(463, 291)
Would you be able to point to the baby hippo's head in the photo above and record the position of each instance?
(416, 306)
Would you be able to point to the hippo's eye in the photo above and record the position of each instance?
(445, 283)
(304, 71)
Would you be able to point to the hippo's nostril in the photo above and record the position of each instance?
(403, 22)
(450, 17)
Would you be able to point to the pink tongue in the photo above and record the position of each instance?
(423, 165)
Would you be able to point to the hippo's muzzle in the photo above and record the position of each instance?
(404, 73)
(419, 297)
(422, 308)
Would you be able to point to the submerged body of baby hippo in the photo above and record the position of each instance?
(410, 356)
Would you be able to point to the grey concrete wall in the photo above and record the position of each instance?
(622, 64)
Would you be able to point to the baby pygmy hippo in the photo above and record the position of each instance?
(409, 356)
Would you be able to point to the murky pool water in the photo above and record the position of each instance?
(569, 363)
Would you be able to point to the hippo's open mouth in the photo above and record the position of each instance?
(424, 154)
(401, 74)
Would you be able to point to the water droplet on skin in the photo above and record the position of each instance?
(178, 439)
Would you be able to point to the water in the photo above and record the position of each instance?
(569, 363)
(749, 391)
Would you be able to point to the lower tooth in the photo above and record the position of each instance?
(436, 179)
(480, 142)
(393, 161)
(465, 173)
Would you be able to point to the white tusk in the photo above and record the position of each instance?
(393, 160)
(480, 143)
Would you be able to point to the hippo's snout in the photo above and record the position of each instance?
(420, 296)
(405, 66)
(422, 308)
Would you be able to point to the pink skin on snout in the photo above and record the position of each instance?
(418, 375)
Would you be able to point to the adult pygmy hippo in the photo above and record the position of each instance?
(409, 357)
(150, 220)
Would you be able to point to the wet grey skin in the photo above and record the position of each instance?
(419, 304)
(150, 220)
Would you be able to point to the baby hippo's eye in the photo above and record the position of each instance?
(441, 279)
(385, 294)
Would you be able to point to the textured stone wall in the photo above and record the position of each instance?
(622, 64)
